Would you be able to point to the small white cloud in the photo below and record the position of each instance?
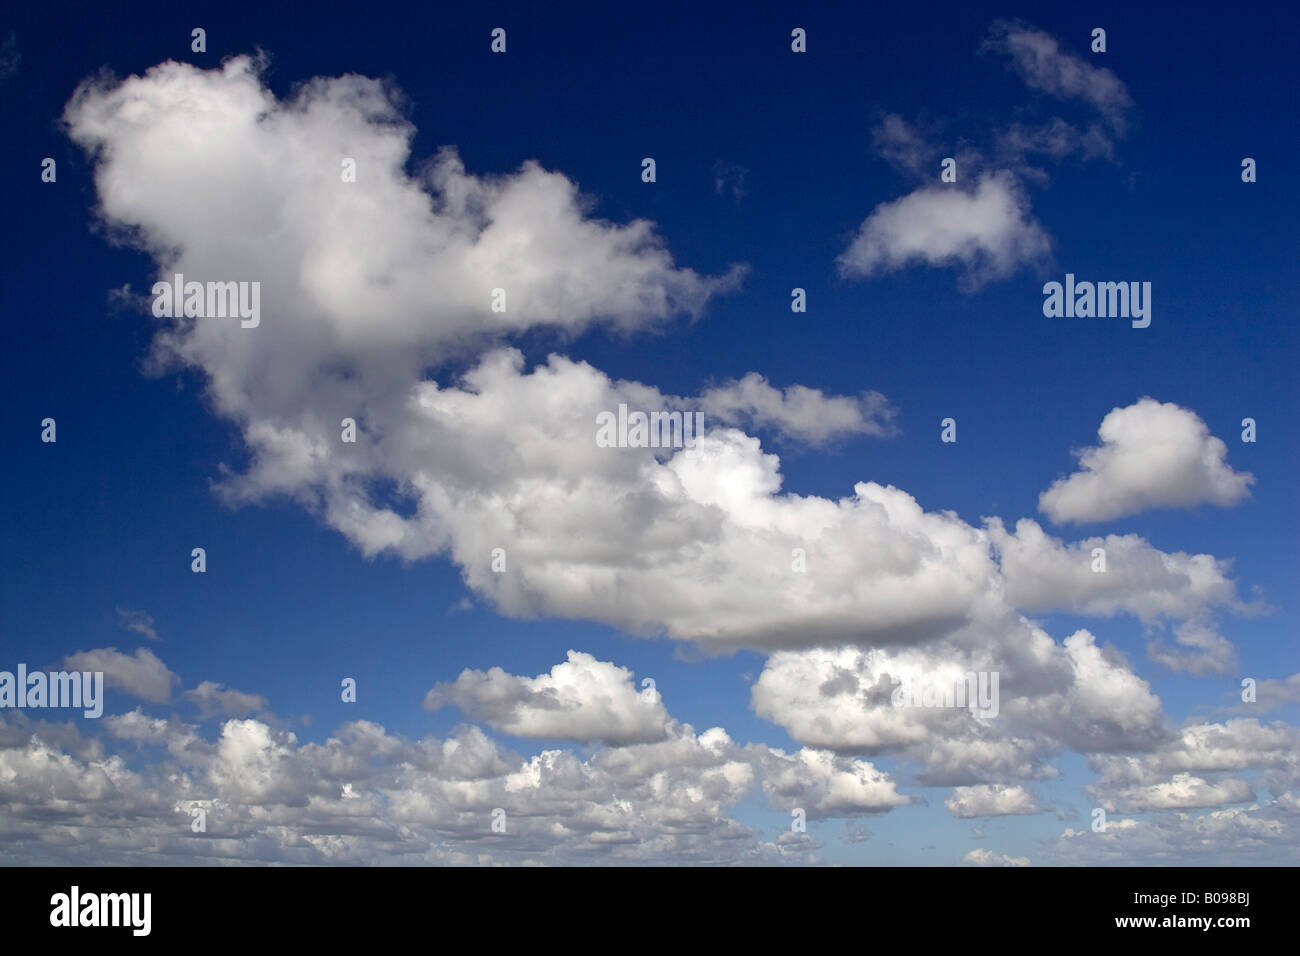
(582, 699)
(989, 231)
(798, 412)
(990, 800)
(1152, 455)
(214, 700)
(141, 674)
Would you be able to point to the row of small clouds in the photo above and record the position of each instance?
(657, 789)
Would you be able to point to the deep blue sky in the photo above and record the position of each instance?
(106, 518)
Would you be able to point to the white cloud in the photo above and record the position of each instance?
(1201, 749)
(213, 699)
(1184, 792)
(1043, 573)
(824, 785)
(989, 231)
(1153, 455)
(141, 674)
(582, 699)
(798, 412)
(990, 801)
(1051, 696)
(367, 284)
(983, 857)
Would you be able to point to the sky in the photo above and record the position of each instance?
(465, 253)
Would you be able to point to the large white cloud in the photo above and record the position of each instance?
(368, 284)
(1152, 455)
(372, 287)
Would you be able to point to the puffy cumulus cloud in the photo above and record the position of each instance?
(387, 265)
(988, 230)
(1050, 696)
(141, 674)
(990, 801)
(1195, 765)
(581, 699)
(1041, 63)
(705, 545)
(825, 785)
(1184, 792)
(214, 700)
(365, 795)
(1043, 573)
(1106, 708)
(798, 412)
(508, 459)
(1152, 455)
(983, 857)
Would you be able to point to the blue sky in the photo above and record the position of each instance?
(766, 159)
